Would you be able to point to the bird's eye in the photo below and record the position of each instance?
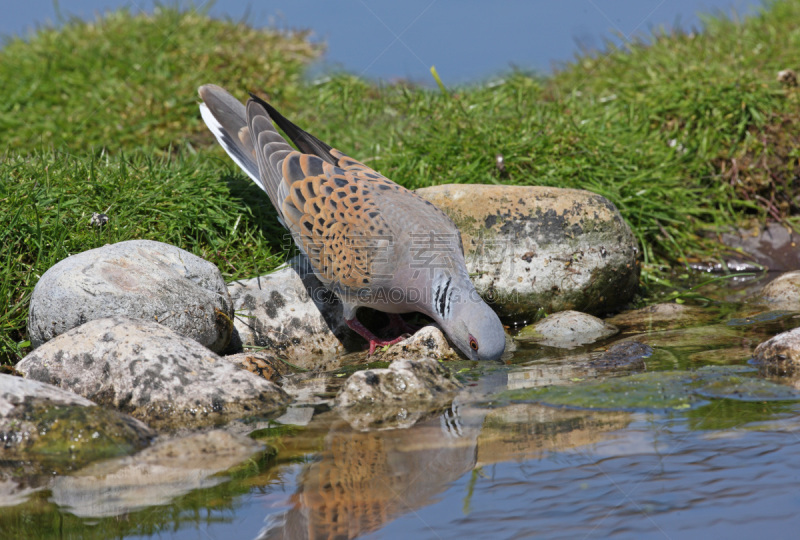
(473, 343)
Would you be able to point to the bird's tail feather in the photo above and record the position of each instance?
(247, 135)
(305, 141)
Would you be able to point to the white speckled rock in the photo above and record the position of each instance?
(141, 279)
(153, 477)
(290, 314)
(567, 330)
(783, 292)
(39, 421)
(532, 247)
(152, 373)
(395, 396)
(427, 342)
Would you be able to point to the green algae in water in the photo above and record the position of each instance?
(748, 389)
(660, 391)
(80, 435)
(654, 391)
(61, 438)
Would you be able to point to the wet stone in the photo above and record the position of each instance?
(773, 245)
(723, 356)
(781, 354)
(699, 337)
(140, 279)
(152, 373)
(748, 389)
(659, 390)
(624, 355)
(755, 318)
(60, 430)
(380, 398)
(567, 330)
(620, 359)
(659, 316)
(261, 363)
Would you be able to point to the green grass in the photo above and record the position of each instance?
(685, 135)
(128, 82)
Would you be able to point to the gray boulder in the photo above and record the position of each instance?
(533, 247)
(61, 430)
(141, 279)
(152, 373)
(292, 315)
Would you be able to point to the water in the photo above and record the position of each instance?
(487, 467)
(466, 40)
(480, 470)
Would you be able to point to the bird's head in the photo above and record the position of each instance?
(469, 322)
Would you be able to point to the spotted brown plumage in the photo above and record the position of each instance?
(369, 240)
(332, 214)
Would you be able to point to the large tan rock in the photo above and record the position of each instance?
(532, 247)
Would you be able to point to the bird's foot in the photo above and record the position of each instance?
(374, 341)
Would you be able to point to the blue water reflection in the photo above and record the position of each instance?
(467, 40)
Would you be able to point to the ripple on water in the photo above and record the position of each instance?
(681, 486)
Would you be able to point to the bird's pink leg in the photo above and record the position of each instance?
(374, 341)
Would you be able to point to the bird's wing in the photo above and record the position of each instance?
(330, 210)
(343, 215)
(334, 218)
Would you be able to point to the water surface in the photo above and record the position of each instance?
(466, 40)
(487, 466)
